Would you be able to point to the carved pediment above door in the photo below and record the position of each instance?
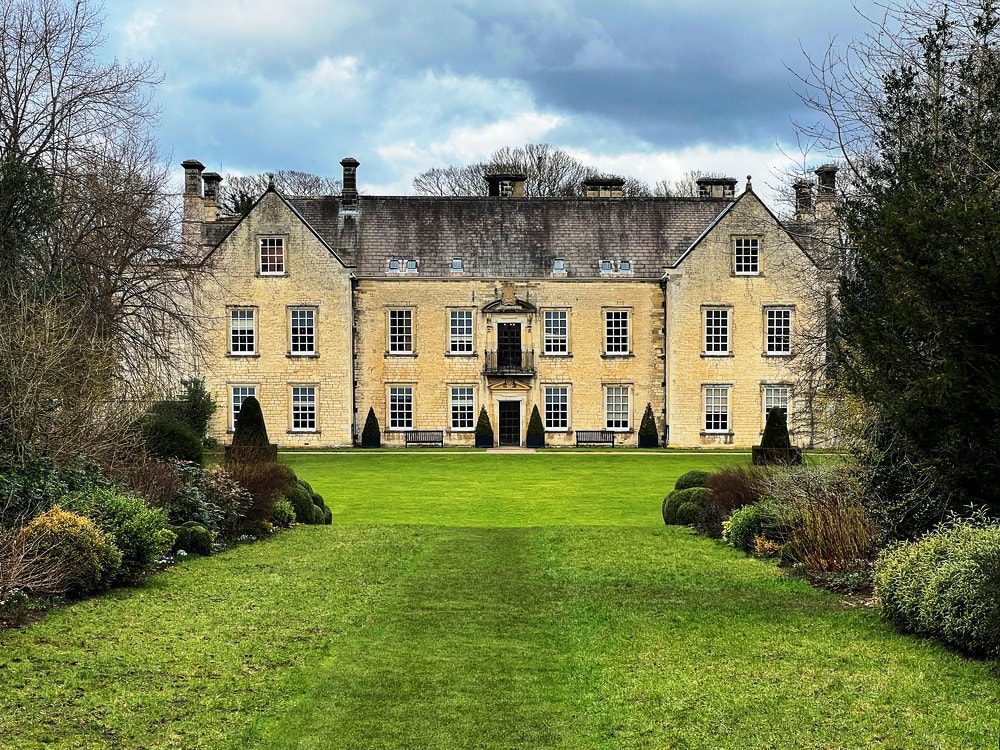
(508, 385)
(509, 302)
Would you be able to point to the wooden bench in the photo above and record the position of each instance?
(595, 437)
(425, 437)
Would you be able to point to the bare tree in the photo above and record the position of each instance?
(240, 192)
(549, 172)
(95, 277)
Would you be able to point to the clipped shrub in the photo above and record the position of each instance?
(764, 519)
(484, 430)
(696, 478)
(84, 557)
(250, 429)
(736, 486)
(284, 514)
(648, 437)
(134, 527)
(946, 585)
(300, 498)
(325, 511)
(193, 538)
(776, 445)
(259, 529)
(371, 435)
(535, 437)
(687, 512)
(167, 437)
(697, 496)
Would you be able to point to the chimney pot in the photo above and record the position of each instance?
(349, 191)
(192, 176)
(827, 177)
(803, 199)
(716, 187)
(604, 187)
(506, 184)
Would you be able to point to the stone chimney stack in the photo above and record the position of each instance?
(194, 209)
(826, 194)
(212, 204)
(716, 187)
(349, 192)
(803, 200)
(505, 184)
(604, 187)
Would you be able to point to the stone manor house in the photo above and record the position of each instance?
(429, 308)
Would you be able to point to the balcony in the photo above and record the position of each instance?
(509, 362)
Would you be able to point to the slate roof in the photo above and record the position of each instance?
(506, 237)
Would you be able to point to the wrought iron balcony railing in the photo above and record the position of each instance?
(510, 362)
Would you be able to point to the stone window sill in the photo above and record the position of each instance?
(238, 355)
(313, 355)
(557, 355)
(713, 355)
(403, 355)
(461, 354)
(615, 355)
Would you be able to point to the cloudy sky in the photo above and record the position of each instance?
(647, 88)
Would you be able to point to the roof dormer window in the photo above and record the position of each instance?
(607, 266)
(456, 265)
(624, 266)
(559, 266)
(411, 265)
(393, 265)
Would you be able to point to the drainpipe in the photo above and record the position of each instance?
(354, 371)
(666, 365)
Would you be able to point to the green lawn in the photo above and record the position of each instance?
(488, 601)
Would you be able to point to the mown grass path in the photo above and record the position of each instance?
(486, 631)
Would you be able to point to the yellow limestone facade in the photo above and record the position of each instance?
(325, 308)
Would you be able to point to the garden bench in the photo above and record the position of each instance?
(595, 437)
(425, 437)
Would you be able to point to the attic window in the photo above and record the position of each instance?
(393, 265)
(606, 266)
(456, 265)
(624, 266)
(411, 265)
(559, 266)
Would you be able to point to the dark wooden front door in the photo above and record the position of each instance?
(509, 346)
(510, 423)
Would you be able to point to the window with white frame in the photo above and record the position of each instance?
(717, 330)
(747, 252)
(304, 408)
(272, 256)
(556, 404)
(779, 330)
(607, 266)
(616, 332)
(624, 266)
(240, 393)
(463, 405)
(776, 396)
(394, 265)
(716, 408)
(460, 332)
(559, 265)
(456, 265)
(242, 331)
(556, 324)
(401, 407)
(401, 331)
(411, 265)
(303, 330)
(616, 407)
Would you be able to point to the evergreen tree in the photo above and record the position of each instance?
(250, 428)
(371, 436)
(536, 430)
(647, 429)
(484, 430)
(775, 436)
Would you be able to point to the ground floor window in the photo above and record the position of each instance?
(240, 394)
(616, 407)
(556, 407)
(776, 396)
(463, 405)
(304, 408)
(716, 408)
(401, 407)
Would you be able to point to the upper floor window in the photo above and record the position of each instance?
(716, 408)
(272, 256)
(304, 408)
(460, 332)
(616, 407)
(456, 265)
(779, 330)
(747, 256)
(302, 333)
(242, 331)
(616, 332)
(556, 331)
(401, 331)
(717, 331)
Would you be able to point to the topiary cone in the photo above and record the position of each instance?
(371, 436)
(250, 429)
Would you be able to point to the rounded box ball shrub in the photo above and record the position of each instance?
(283, 514)
(697, 496)
(79, 556)
(946, 585)
(696, 478)
(194, 538)
(763, 519)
